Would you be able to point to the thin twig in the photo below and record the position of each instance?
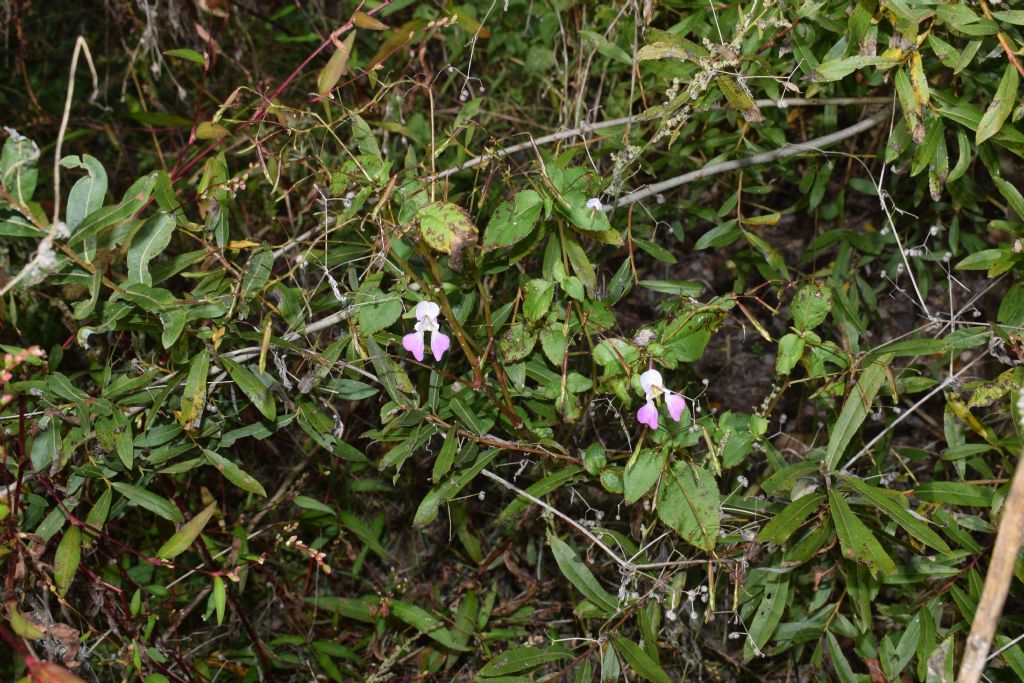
(997, 579)
(626, 120)
(755, 160)
(910, 411)
(1005, 43)
(625, 564)
(80, 46)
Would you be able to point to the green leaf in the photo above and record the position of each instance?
(782, 525)
(97, 516)
(446, 491)
(892, 507)
(193, 400)
(376, 309)
(688, 502)
(513, 221)
(185, 53)
(447, 228)
(87, 193)
(522, 659)
(151, 240)
(336, 66)
(856, 409)
(580, 576)
(1011, 194)
(769, 613)
(810, 306)
(638, 660)
(156, 504)
(233, 473)
(364, 532)
(983, 259)
(791, 350)
(856, 540)
(642, 472)
(426, 623)
(183, 537)
(954, 493)
(539, 294)
(719, 236)
(676, 287)
(18, 167)
(838, 69)
(840, 663)
(252, 387)
(446, 457)
(1001, 106)
(219, 598)
(540, 488)
(66, 559)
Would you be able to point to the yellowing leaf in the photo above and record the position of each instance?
(208, 130)
(364, 20)
(336, 67)
(183, 538)
(447, 228)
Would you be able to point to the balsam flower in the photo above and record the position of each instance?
(653, 387)
(426, 321)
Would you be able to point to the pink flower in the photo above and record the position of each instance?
(653, 386)
(426, 321)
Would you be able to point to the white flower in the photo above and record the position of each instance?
(595, 204)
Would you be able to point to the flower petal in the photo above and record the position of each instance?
(427, 309)
(439, 343)
(648, 415)
(413, 343)
(676, 405)
(651, 383)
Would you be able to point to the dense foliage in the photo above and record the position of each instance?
(719, 383)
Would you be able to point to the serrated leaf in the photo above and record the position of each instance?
(447, 228)
(810, 306)
(183, 537)
(642, 472)
(513, 221)
(791, 350)
(688, 501)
